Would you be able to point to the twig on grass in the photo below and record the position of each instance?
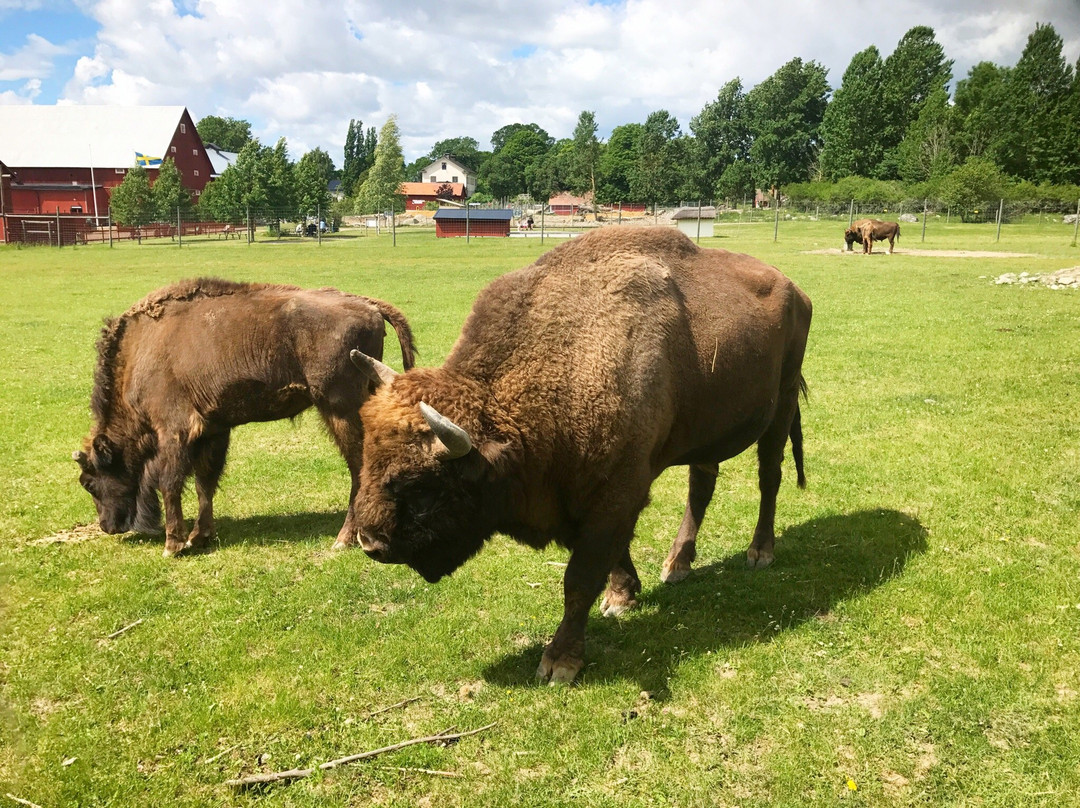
(392, 707)
(219, 754)
(434, 772)
(128, 627)
(296, 774)
(21, 801)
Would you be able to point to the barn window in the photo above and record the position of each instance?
(76, 208)
(195, 152)
(196, 172)
(433, 178)
(198, 193)
(183, 129)
(444, 166)
(453, 178)
(121, 171)
(172, 149)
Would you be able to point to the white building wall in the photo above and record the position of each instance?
(454, 172)
(690, 227)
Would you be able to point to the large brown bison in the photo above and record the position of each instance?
(867, 231)
(189, 362)
(574, 383)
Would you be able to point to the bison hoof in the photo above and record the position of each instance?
(558, 671)
(674, 573)
(758, 559)
(614, 605)
(172, 552)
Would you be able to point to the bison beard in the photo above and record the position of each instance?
(574, 383)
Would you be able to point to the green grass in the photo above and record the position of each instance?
(917, 635)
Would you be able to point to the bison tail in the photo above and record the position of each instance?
(396, 319)
(796, 437)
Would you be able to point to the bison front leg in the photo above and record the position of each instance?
(348, 434)
(596, 554)
(684, 550)
(209, 465)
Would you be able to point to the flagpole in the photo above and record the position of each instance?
(93, 184)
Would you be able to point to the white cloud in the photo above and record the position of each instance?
(303, 70)
(34, 60)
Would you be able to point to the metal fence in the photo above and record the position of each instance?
(537, 220)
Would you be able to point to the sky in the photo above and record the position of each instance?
(465, 68)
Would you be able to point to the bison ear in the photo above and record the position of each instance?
(453, 437)
(375, 370)
(104, 452)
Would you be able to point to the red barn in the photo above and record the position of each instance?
(67, 159)
(451, 222)
(5, 200)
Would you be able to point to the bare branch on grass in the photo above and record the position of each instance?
(21, 801)
(128, 627)
(296, 774)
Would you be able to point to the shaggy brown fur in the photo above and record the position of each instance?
(577, 381)
(189, 362)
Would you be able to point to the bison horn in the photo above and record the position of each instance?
(81, 459)
(378, 372)
(454, 438)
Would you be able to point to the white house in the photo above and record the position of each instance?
(695, 222)
(447, 169)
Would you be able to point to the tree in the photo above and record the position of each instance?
(617, 164)
(926, 152)
(584, 156)
(509, 170)
(280, 181)
(785, 113)
(228, 134)
(1038, 95)
(549, 175)
(979, 106)
(852, 128)
(359, 155)
(381, 189)
(132, 202)
(721, 134)
(313, 174)
(500, 137)
(463, 149)
(169, 194)
(977, 182)
(655, 174)
(912, 73)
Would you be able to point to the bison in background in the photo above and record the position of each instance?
(867, 231)
(574, 383)
(189, 362)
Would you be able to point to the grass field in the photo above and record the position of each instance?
(917, 641)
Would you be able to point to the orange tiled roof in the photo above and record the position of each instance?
(429, 188)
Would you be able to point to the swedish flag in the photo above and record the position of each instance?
(146, 161)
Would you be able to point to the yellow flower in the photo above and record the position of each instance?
(851, 785)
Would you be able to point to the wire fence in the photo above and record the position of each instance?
(698, 219)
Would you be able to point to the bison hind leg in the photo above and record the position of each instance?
(684, 549)
(623, 587)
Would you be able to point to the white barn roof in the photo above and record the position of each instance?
(69, 136)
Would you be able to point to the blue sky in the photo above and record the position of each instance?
(302, 71)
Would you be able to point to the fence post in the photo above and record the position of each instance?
(318, 224)
(851, 214)
(1001, 207)
(1076, 223)
(924, 207)
(620, 214)
(247, 223)
(108, 219)
(467, 206)
(698, 221)
(179, 229)
(948, 214)
(776, 219)
(59, 241)
(544, 207)
(393, 228)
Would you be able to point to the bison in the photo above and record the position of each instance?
(867, 231)
(189, 362)
(574, 383)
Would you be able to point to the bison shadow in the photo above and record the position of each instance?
(260, 530)
(724, 605)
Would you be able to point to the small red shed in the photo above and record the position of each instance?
(458, 222)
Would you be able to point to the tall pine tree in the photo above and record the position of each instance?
(852, 129)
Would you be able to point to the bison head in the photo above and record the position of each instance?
(123, 499)
(427, 493)
(851, 235)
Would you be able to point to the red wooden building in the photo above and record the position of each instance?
(454, 222)
(5, 200)
(67, 159)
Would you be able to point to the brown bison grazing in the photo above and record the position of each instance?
(867, 231)
(574, 383)
(189, 362)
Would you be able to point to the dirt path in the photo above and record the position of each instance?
(932, 253)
